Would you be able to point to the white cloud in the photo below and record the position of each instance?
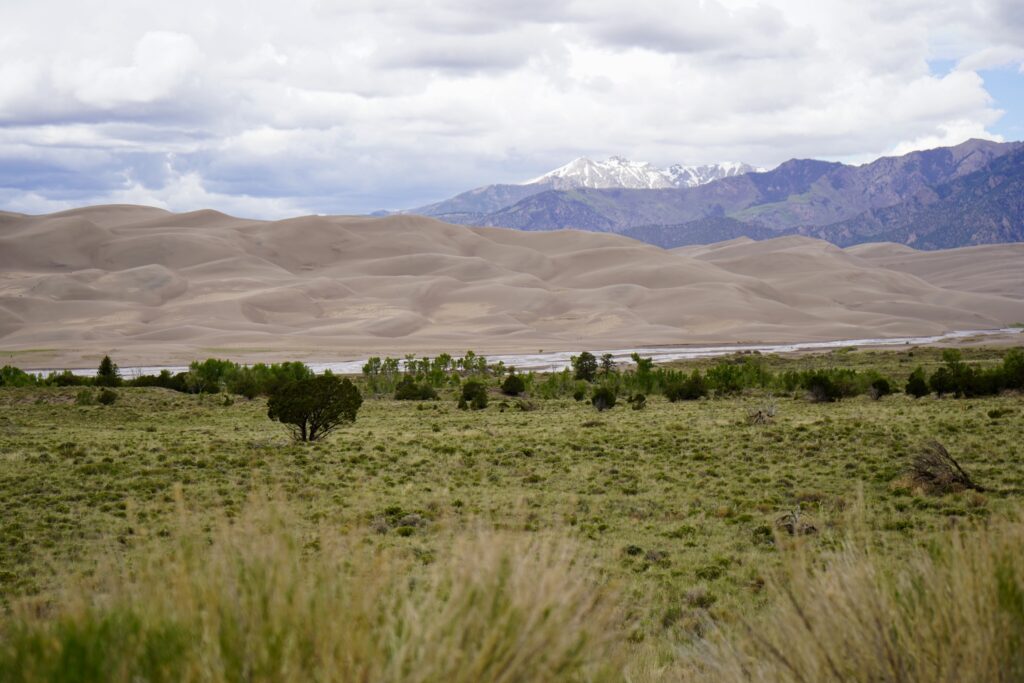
(162, 62)
(351, 105)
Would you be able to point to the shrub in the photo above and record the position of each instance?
(68, 379)
(916, 384)
(513, 385)
(85, 398)
(313, 408)
(243, 382)
(879, 388)
(1013, 369)
(690, 389)
(107, 374)
(107, 397)
(935, 470)
(960, 379)
(11, 376)
(952, 611)
(644, 372)
(211, 375)
(638, 401)
(942, 382)
(409, 390)
(585, 366)
(820, 388)
(165, 379)
(763, 414)
(474, 395)
(730, 377)
(603, 398)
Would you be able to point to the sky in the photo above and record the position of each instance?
(266, 109)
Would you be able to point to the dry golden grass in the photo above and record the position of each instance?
(267, 599)
(951, 612)
(260, 600)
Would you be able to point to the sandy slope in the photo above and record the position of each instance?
(154, 287)
(991, 268)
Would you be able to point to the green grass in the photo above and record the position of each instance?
(674, 506)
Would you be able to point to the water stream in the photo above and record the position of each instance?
(558, 360)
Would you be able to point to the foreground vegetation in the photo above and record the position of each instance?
(184, 536)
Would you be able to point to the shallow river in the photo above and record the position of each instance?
(560, 359)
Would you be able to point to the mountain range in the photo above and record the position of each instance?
(582, 173)
(969, 194)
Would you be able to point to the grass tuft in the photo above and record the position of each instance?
(259, 600)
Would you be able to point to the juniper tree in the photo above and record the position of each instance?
(313, 408)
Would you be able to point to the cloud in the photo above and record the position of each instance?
(707, 28)
(352, 105)
(162, 63)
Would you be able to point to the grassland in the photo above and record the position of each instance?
(672, 509)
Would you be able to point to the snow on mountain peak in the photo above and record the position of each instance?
(618, 171)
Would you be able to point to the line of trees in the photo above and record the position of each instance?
(419, 378)
(211, 376)
(961, 380)
(384, 375)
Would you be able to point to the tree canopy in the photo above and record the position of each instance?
(107, 374)
(313, 408)
(585, 366)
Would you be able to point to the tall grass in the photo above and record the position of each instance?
(951, 613)
(267, 599)
(260, 601)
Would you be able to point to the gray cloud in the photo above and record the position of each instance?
(260, 108)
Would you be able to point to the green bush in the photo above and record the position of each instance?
(409, 390)
(1013, 369)
(690, 389)
(880, 387)
(67, 379)
(731, 377)
(107, 397)
(85, 398)
(474, 395)
(513, 385)
(11, 376)
(603, 398)
(916, 384)
(821, 388)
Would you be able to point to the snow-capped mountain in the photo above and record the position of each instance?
(615, 173)
(692, 176)
(635, 175)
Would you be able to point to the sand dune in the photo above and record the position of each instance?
(989, 269)
(155, 287)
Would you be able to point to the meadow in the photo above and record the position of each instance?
(536, 539)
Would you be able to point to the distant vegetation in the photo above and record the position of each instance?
(420, 378)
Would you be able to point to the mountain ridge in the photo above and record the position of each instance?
(472, 206)
(893, 198)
